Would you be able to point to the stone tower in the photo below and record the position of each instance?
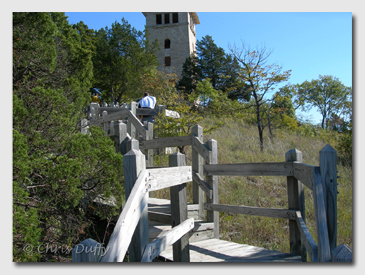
(175, 32)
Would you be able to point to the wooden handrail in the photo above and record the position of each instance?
(203, 185)
(304, 173)
(127, 221)
(161, 178)
(166, 142)
(254, 211)
(249, 169)
(202, 149)
(122, 113)
(310, 244)
(159, 245)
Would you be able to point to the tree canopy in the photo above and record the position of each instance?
(122, 55)
(260, 78)
(57, 171)
(328, 95)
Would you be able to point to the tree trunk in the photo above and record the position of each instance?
(259, 125)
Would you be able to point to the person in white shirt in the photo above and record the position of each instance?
(148, 102)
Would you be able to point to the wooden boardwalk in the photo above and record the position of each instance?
(215, 250)
(144, 226)
(203, 246)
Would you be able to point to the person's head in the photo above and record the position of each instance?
(146, 94)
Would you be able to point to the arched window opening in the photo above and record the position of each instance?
(167, 44)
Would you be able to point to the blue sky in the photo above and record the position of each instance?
(308, 43)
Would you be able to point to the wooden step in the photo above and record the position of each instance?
(201, 231)
(159, 210)
(215, 250)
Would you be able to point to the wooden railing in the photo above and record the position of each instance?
(321, 180)
(131, 230)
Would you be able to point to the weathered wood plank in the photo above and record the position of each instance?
(249, 169)
(108, 109)
(114, 116)
(296, 201)
(137, 124)
(146, 112)
(202, 149)
(159, 217)
(255, 211)
(203, 185)
(127, 221)
(179, 211)
(324, 254)
(139, 111)
(212, 182)
(307, 238)
(328, 168)
(197, 165)
(203, 251)
(304, 173)
(149, 136)
(166, 142)
(134, 163)
(160, 244)
(161, 178)
(132, 106)
(342, 253)
(88, 250)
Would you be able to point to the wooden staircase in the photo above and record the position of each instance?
(159, 221)
(203, 246)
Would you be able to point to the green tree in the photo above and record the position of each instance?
(190, 75)
(327, 94)
(123, 56)
(280, 113)
(260, 79)
(211, 60)
(56, 169)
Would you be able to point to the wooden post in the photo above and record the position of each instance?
(149, 136)
(328, 169)
(111, 129)
(87, 251)
(120, 131)
(133, 163)
(341, 253)
(212, 181)
(295, 202)
(132, 144)
(179, 211)
(161, 109)
(93, 107)
(197, 165)
(84, 127)
(131, 128)
(105, 125)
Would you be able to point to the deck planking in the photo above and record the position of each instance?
(215, 250)
(205, 248)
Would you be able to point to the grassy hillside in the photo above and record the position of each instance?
(238, 143)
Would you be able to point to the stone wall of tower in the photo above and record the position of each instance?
(181, 35)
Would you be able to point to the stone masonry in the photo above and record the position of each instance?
(175, 32)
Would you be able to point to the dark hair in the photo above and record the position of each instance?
(146, 94)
